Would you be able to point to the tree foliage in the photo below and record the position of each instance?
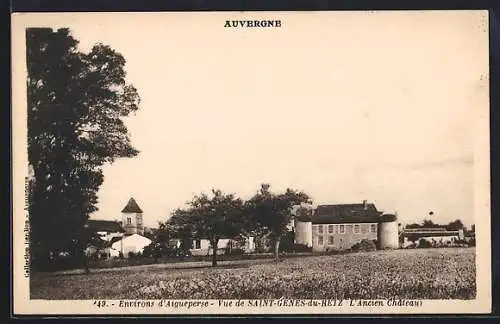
(209, 217)
(76, 102)
(181, 226)
(455, 225)
(162, 233)
(452, 226)
(271, 213)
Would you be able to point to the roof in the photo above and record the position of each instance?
(132, 207)
(303, 214)
(97, 225)
(429, 233)
(113, 240)
(137, 238)
(346, 213)
(425, 229)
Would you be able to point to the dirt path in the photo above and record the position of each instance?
(160, 266)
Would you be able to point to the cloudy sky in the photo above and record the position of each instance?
(345, 106)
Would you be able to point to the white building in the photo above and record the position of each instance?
(203, 246)
(438, 236)
(134, 243)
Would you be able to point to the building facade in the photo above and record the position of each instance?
(341, 236)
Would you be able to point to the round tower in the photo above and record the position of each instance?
(303, 232)
(388, 232)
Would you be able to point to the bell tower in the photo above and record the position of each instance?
(132, 218)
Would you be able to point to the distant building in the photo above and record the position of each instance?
(203, 246)
(439, 236)
(123, 237)
(339, 227)
(108, 232)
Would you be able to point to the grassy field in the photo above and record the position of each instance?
(411, 274)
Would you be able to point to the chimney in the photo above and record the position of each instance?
(365, 205)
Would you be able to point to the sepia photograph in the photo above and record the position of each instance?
(251, 162)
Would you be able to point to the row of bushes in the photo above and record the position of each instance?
(425, 244)
(159, 250)
(161, 253)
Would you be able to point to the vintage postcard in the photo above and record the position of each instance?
(251, 163)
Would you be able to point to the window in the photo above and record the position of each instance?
(196, 244)
(357, 229)
(330, 240)
(129, 220)
(341, 229)
(320, 240)
(373, 228)
(330, 229)
(320, 229)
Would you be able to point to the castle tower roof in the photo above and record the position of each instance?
(132, 207)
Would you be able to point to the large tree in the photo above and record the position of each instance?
(76, 102)
(272, 213)
(211, 217)
(217, 216)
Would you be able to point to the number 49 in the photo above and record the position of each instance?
(100, 303)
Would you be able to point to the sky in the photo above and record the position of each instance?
(346, 107)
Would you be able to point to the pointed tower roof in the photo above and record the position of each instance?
(132, 207)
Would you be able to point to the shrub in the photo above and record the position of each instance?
(334, 251)
(155, 250)
(94, 256)
(149, 250)
(423, 244)
(364, 245)
(234, 251)
(287, 243)
(179, 253)
(302, 248)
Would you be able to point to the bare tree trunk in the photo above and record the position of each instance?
(277, 250)
(214, 255)
(86, 268)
